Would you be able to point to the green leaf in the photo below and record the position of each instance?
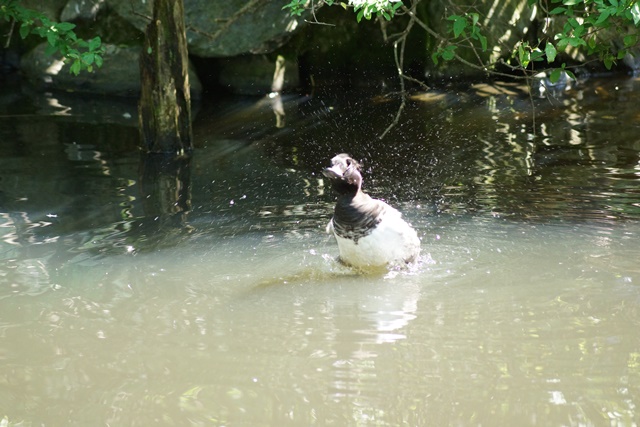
(459, 26)
(558, 10)
(562, 43)
(449, 53)
(483, 42)
(76, 67)
(52, 38)
(474, 18)
(536, 55)
(98, 60)
(95, 43)
(555, 75)
(25, 29)
(88, 58)
(573, 22)
(577, 42)
(551, 52)
(523, 55)
(602, 18)
(630, 40)
(570, 74)
(296, 8)
(65, 26)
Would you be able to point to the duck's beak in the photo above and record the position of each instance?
(334, 172)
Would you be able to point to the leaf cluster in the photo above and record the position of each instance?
(81, 54)
(366, 9)
(587, 25)
(591, 24)
(464, 27)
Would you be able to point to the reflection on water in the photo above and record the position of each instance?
(204, 292)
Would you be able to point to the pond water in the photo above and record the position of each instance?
(206, 292)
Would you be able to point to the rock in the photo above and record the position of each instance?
(95, 18)
(223, 28)
(81, 9)
(50, 8)
(633, 61)
(119, 75)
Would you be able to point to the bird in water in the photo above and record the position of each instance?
(369, 232)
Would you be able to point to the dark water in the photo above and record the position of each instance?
(205, 292)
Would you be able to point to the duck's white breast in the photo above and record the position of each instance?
(391, 241)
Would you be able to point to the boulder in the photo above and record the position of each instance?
(223, 28)
(50, 8)
(119, 75)
(81, 10)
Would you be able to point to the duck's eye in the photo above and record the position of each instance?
(348, 162)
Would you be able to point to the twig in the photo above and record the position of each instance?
(315, 18)
(141, 15)
(10, 34)
(418, 82)
(396, 119)
(399, 60)
(531, 100)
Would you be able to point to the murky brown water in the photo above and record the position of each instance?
(210, 296)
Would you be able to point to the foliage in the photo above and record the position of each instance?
(591, 27)
(81, 54)
(363, 8)
(463, 27)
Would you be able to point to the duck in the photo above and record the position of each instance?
(369, 232)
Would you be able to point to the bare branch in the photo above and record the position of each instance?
(10, 34)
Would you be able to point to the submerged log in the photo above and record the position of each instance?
(165, 104)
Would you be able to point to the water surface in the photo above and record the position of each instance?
(206, 293)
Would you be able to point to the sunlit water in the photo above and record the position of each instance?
(211, 296)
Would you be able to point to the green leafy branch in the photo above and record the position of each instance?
(590, 25)
(366, 9)
(81, 54)
(604, 29)
(464, 27)
(378, 8)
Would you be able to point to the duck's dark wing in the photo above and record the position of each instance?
(357, 217)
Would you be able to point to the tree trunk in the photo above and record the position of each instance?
(165, 103)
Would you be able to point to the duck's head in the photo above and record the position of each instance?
(344, 174)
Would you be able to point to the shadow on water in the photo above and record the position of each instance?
(203, 291)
